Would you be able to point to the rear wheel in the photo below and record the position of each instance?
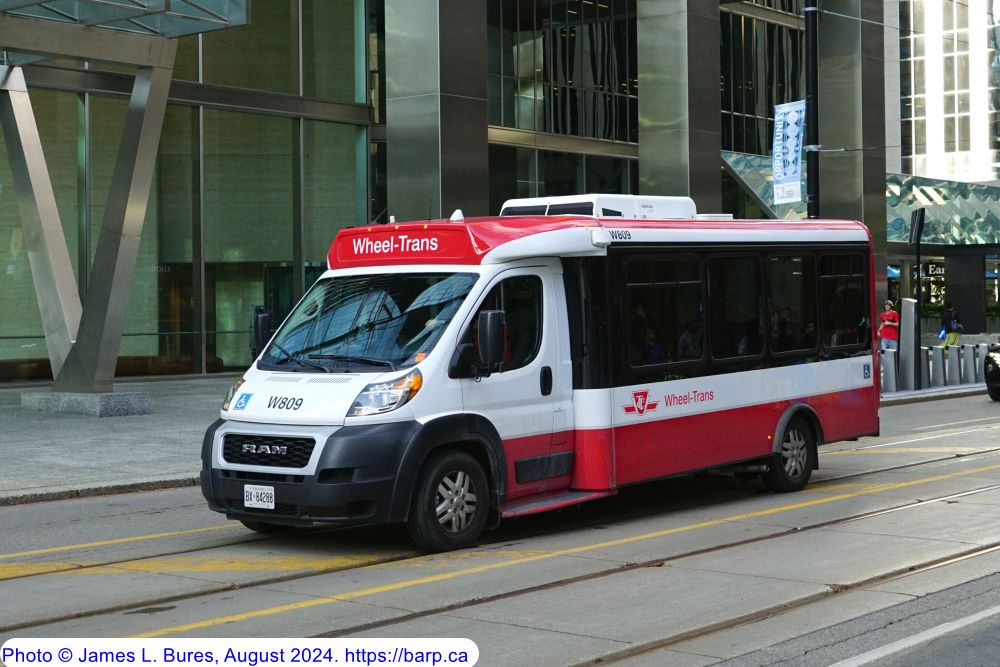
(994, 392)
(267, 528)
(450, 503)
(794, 462)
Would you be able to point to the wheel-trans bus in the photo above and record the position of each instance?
(450, 374)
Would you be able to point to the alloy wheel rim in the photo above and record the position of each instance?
(455, 501)
(794, 452)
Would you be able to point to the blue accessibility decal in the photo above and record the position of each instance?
(868, 371)
(241, 404)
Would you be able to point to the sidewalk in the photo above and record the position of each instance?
(50, 457)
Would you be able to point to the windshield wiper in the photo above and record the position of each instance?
(362, 360)
(296, 359)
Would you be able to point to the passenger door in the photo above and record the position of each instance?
(529, 400)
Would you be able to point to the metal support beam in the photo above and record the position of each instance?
(91, 363)
(51, 268)
(28, 37)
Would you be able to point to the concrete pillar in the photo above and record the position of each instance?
(965, 286)
(852, 117)
(908, 344)
(925, 367)
(968, 364)
(953, 366)
(680, 135)
(937, 366)
(436, 108)
(889, 371)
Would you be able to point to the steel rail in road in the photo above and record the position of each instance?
(315, 602)
(378, 559)
(587, 548)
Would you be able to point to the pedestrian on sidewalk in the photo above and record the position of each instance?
(888, 330)
(951, 323)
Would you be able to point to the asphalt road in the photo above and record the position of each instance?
(896, 536)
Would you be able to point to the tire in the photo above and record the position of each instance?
(450, 503)
(793, 464)
(994, 392)
(267, 528)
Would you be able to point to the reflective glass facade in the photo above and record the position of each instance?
(564, 67)
(761, 67)
(251, 184)
(950, 99)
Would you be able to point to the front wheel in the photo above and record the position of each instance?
(450, 503)
(794, 462)
(994, 392)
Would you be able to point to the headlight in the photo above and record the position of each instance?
(232, 393)
(385, 396)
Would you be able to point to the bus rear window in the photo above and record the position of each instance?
(523, 210)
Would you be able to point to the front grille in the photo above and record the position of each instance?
(267, 450)
(247, 476)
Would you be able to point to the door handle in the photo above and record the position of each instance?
(545, 381)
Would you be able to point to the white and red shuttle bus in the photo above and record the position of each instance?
(447, 374)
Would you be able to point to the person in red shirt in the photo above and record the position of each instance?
(888, 330)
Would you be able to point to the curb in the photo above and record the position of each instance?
(182, 482)
(925, 396)
(94, 491)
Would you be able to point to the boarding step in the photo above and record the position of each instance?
(553, 502)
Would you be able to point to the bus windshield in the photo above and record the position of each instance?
(378, 320)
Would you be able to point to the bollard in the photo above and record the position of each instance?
(968, 364)
(925, 367)
(981, 351)
(908, 345)
(953, 366)
(889, 371)
(937, 366)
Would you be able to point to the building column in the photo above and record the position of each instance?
(680, 107)
(965, 286)
(436, 108)
(852, 117)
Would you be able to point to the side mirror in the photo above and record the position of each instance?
(260, 330)
(491, 343)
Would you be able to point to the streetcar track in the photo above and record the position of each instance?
(506, 539)
(658, 562)
(805, 601)
(253, 538)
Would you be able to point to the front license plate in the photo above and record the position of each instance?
(258, 497)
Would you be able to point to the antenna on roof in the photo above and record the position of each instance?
(457, 216)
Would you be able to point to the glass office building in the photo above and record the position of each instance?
(279, 133)
(263, 156)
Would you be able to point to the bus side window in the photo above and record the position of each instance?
(521, 300)
(844, 300)
(735, 313)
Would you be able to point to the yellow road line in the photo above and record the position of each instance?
(446, 576)
(118, 540)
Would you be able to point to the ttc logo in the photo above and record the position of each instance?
(640, 403)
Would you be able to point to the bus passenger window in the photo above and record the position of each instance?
(664, 322)
(791, 299)
(844, 300)
(735, 317)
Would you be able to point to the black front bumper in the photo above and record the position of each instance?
(354, 483)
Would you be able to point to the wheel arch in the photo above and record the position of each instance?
(473, 434)
(811, 418)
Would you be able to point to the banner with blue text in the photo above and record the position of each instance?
(789, 125)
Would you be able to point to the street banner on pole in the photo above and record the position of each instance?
(789, 122)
